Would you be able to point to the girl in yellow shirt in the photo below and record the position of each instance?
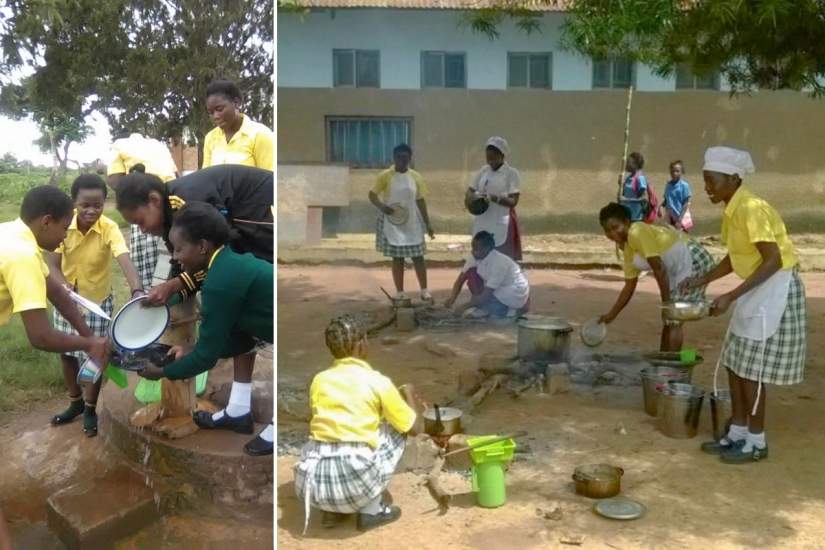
(236, 139)
(670, 255)
(767, 337)
(357, 433)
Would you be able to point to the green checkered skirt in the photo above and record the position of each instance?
(784, 361)
(393, 251)
(702, 262)
(98, 325)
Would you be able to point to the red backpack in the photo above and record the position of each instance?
(652, 207)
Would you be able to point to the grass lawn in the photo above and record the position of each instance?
(28, 375)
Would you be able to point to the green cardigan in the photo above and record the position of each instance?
(237, 308)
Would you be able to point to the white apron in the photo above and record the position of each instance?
(677, 261)
(496, 219)
(402, 190)
(759, 311)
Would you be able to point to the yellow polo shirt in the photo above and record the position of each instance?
(251, 146)
(748, 220)
(136, 149)
(647, 241)
(22, 271)
(382, 183)
(86, 261)
(349, 400)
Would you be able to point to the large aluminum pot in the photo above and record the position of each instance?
(544, 339)
(442, 420)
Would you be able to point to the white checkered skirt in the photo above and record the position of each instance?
(143, 251)
(702, 262)
(345, 477)
(394, 251)
(98, 325)
(784, 362)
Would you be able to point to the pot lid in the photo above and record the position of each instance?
(135, 327)
(547, 323)
(619, 508)
(593, 332)
(399, 215)
(447, 413)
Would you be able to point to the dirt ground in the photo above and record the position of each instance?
(692, 499)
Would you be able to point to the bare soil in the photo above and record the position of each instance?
(692, 499)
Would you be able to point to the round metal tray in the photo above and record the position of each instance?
(620, 508)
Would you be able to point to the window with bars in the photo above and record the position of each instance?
(443, 70)
(686, 79)
(358, 68)
(366, 142)
(613, 73)
(530, 70)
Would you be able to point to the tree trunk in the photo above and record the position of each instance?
(55, 160)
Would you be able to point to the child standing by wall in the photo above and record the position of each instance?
(677, 195)
(357, 433)
(83, 257)
(635, 196)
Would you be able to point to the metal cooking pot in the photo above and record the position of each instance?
(544, 339)
(598, 480)
(442, 420)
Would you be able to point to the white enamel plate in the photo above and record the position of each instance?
(135, 327)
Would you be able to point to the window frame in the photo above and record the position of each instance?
(329, 119)
(443, 54)
(612, 73)
(528, 56)
(353, 52)
(717, 80)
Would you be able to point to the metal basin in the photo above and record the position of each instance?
(686, 311)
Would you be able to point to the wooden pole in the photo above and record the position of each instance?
(626, 141)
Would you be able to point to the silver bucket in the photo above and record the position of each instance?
(656, 378)
(721, 409)
(680, 406)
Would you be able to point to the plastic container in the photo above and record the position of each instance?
(489, 464)
(680, 406)
(687, 355)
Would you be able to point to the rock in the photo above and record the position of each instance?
(441, 350)
(460, 461)
(390, 340)
(620, 429)
(419, 454)
(556, 514)
(469, 381)
(405, 319)
(557, 379)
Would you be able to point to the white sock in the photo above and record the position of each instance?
(268, 434)
(240, 401)
(374, 507)
(754, 440)
(737, 433)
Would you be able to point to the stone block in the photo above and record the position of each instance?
(557, 378)
(419, 454)
(405, 319)
(469, 381)
(95, 514)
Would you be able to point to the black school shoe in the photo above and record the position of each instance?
(74, 410)
(716, 447)
(740, 456)
(387, 515)
(241, 424)
(258, 447)
(90, 421)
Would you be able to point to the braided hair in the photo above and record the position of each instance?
(343, 335)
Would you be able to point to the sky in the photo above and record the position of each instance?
(17, 137)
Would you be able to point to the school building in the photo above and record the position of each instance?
(356, 77)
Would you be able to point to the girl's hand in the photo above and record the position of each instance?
(179, 352)
(152, 373)
(448, 303)
(430, 232)
(606, 319)
(691, 283)
(387, 210)
(720, 305)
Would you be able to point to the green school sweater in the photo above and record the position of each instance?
(236, 297)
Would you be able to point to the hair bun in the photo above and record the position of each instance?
(139, 167)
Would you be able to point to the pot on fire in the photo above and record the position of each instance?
(546, 339)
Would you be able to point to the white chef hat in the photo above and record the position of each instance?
(499, 143)
(727, 160)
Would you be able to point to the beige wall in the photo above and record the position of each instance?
(568, 145)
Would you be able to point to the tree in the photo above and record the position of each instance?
(768, 44)
(143, 64)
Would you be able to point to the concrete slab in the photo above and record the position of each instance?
(95, 514)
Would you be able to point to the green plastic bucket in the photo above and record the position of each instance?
(489, 463)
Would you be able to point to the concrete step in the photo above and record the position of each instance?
(94, 514)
